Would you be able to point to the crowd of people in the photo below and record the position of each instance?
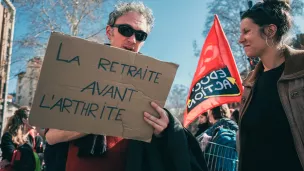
(264, 133)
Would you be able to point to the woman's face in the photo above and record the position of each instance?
(251, 38)
(202, 119)
(27, 112)
(25, 121)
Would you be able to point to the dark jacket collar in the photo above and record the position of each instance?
(294, 66)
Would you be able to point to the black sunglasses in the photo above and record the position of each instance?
(127, 31)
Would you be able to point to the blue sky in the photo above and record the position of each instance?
(177, 24)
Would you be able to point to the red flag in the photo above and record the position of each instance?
(216, 80)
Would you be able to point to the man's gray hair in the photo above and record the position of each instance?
(124, 7)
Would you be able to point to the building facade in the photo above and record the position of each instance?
(27, 82)
(6, 34)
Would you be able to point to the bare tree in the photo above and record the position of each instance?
(177, 96)
(297, 9)
(176, 101)
(81, 18)
(298, 42)
(176, 104)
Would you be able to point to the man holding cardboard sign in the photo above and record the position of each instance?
(101, 90)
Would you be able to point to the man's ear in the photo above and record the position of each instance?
(270, 31)
(109, 32)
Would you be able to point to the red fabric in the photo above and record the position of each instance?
(215, 55)
(113, 160)
(16, 156)
(32, 132)
(7, 168)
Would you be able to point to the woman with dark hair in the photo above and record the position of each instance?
(17, 135)
(219, 140)
(271, 115)
(218, 113)
(203, 124)
(218, 117)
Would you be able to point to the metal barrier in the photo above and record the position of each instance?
(221, 158)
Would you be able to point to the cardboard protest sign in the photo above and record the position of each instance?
(92, 88)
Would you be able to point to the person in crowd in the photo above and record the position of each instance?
(172, 147)
(19, 135)
(203, 124)
(271, 132)
(219, 141)
(218, 117)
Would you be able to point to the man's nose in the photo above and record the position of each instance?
(132, 38)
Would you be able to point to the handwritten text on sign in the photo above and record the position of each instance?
(111, 91)
(92, 87)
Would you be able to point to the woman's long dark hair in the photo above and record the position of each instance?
(15, 125)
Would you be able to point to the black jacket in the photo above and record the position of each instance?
(177, 150)
(201, 128)
(7, 146)
(27, 159)
(55, 156)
